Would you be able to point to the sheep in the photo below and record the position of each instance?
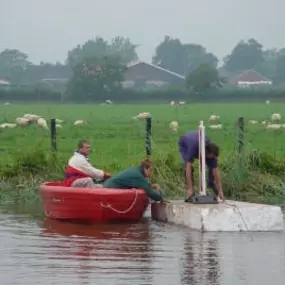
(264, 122)
(41, 122)
(8, 125)
(276, 117)
(219, 126)
(173, 126)
(267, 102)
(23, 122)
(108, 102)
(181, 102)
(31, 117)
(253, 122)
(58, 126)
(172, 103)
(58, 121)
(80, 122)
(6, 104)
(142, 116)
(214, 118)
(274, 126)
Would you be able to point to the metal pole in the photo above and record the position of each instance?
(148, 137)
(53, 134)
(202, 159)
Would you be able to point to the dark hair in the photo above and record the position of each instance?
(81, 144)
(146, 164)
(212, 148)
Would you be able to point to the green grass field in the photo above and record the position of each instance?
(118, 140)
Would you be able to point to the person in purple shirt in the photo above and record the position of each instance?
(189, 151)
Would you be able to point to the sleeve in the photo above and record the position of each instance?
(153, 194)
(192, 152)
(87, 168)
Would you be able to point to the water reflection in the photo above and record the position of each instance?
(101, 250)
(200, 263)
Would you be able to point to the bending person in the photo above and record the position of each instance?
(135, 177)
(79, 172)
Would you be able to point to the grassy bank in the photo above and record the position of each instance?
(118, 142)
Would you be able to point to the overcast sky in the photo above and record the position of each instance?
(47, 29)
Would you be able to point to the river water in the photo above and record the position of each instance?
(41, 251)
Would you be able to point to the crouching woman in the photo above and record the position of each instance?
(136, 177)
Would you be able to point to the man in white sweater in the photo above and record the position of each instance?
(79, 172)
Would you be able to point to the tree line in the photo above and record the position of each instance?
(97, 66)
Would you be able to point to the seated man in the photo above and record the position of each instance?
(189, 151)
(135, 177)
(79, 172)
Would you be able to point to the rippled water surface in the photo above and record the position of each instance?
(51, 252)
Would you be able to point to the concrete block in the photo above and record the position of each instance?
(230, 216)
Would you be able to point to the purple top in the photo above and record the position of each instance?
(189, 149)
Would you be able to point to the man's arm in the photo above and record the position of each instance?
(87, 168)
(218, 182)
(153, 194)
(188, 174)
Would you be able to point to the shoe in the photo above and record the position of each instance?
(189, 199)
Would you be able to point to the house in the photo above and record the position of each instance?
(141, 74)
(250, 78)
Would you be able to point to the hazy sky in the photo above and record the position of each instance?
(47, 29)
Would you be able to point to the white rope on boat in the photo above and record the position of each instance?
(109, 206)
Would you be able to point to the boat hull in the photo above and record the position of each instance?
(96, 205)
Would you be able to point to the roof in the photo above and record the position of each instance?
(4, 82)
(157, 67)
(251, 76)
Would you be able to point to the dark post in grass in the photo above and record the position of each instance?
(148, 137)
(240, 134)
(53, 134)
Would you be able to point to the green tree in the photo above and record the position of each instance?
(13, 64)
(245, 55)
(279, 76)
(120, 47)
(96, 76)
(203, 78)
(181, 58)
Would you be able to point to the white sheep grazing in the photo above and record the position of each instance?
(23, 122)
(253, 122)
(108, 102)
(41, 122)
(8, 125)
(174, 126)
(58, 121)
(80, 122)
(172, 103)
(275, 117)
(31, 117)
(181, 102)
(267, 102)
(274, 126)
(264, 122)
(58, 126)
(219, 126)
(142, 116)
(214, 118)
(6, 104)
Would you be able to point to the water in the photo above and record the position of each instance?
(39, 251)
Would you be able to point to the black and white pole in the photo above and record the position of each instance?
(53, 135)
(148, 137)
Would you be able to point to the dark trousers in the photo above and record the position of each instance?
(210, 182)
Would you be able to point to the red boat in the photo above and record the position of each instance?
(99, 205)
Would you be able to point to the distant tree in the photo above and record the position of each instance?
(120, 47)
(181, 58)
(203, 78)
(95, 76)
(13, 64)
(279, 76)
(245, 55)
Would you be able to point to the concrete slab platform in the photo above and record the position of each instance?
(230, 216)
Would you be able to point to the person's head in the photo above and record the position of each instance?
(146, 166)
(212, 150)
(83, 147)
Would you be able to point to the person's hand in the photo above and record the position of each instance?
(107, 175)
(164, 201)
(155, 186)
